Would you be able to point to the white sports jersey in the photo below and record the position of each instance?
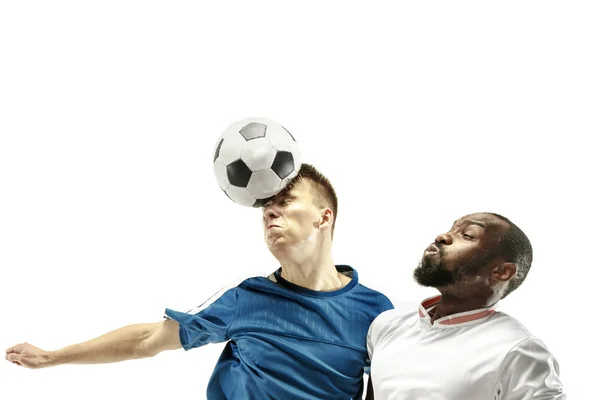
(480, 354)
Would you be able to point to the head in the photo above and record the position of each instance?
(301, 216)
(483, 254)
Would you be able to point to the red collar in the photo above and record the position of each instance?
(454, 319)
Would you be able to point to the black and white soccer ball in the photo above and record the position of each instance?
(254, 160)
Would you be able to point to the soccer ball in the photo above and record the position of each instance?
(255, 158)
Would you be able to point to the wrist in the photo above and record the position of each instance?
(52, 358)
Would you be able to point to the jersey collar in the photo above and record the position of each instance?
(458, 319)
(342, 268)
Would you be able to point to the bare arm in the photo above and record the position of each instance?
(127, 343)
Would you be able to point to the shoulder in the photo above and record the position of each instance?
(386, 325)
(523, 341)
(395, 316)
(375, 296)
(255, 280)
(265, 285)
(531, 344)
(374, 293)
(516, 343)
(513, 330)
(385, 319)
(390, 320)
(233, 288)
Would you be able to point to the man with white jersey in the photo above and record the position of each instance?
(456, 346)
(298, 334)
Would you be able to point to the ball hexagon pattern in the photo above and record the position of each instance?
(254, 159)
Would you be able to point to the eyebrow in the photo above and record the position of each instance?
(283, 196)
(471, 222)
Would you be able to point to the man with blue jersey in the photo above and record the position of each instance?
(298, 334)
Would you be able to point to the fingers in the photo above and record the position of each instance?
(17, 348)
(14, 358)
(14, 349)
(13, 354)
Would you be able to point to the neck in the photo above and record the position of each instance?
(315, 272)
(309, 264)
(452, 304)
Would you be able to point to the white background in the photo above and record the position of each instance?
(419, 114)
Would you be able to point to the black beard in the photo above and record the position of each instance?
(432, 274)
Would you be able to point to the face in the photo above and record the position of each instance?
(292, 218)
(463, 253)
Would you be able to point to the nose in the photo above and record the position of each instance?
(444, 239)
(269, 213)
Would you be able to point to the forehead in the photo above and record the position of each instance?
(489, 222)
(301, 188)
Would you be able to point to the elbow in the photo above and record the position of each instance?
(144, 350)
(157, 338)
(145, 347)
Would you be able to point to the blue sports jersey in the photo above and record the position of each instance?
(284, 341)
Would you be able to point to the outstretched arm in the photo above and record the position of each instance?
(127, 343)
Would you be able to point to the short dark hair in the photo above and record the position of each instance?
(516, 248)
(326, 196)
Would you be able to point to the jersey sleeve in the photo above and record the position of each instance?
(529, 371)
(209, 324)
(373, 335)
(385, 305)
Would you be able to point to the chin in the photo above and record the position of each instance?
(276, 246)
(430, 274)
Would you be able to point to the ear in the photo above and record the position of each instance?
(326, 218)
(504, 272)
